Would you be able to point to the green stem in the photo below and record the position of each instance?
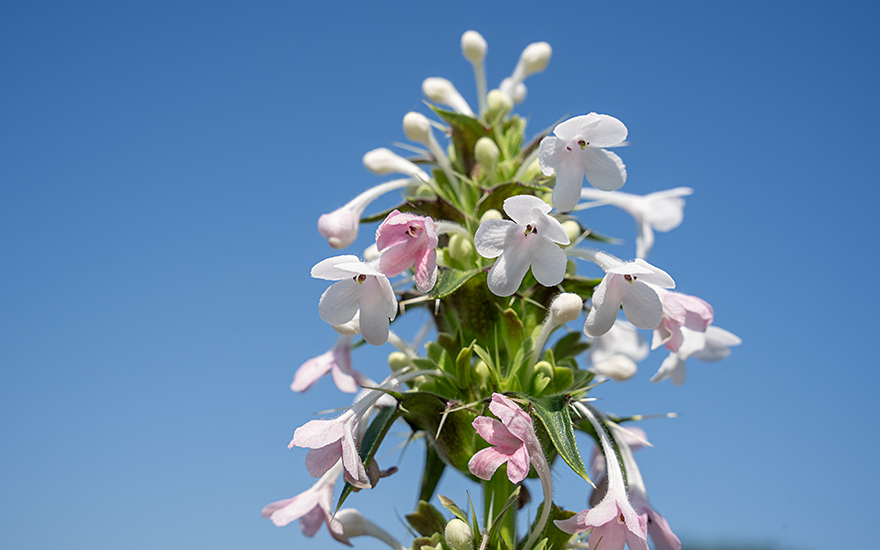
(495, 494)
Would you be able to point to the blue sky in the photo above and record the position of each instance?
(162, 167)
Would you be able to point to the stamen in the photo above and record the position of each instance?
(583, 144)
(629, 278)
(531, 229)
(621, 519)
(359, 279)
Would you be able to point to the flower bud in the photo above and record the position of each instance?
(616, 367)
(545, 368)
(398, 361)
(417, 127)
(459, 535)
(514, 90)
(384, 161)
(535, 58)
(442, 91)
(487, 153)
(473, 47)
(572, 229)
(461, 248)
(491, 214)
(482, 375)
(565, 307)
(499, 103)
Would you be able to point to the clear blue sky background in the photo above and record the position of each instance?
(162, 167)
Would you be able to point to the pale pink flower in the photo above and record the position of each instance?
(712, 345)
(337, 362)
(532, 239)
(512, 438)
(311, 507)
(680, 310)
(576, 150)
(361, 288)
(330, 441)
(407, 240)
(661, 211)
(613, 521)
(632, 285)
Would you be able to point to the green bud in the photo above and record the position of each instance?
(498, 103)
(544, 368)
(459, 535)
(572, 229)
(482, 375)
(398, 361)
(460, 248)
(570, 268)
(487, 153)
(491, 214)
(425, 191)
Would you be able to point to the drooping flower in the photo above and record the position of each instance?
(661, 211)
(514, 442)
(576, 150)
(312, 507)
(530, 240)
(680, 310)
(330, 441)
(616, 353)
(407, 240)
(361, 288)
(630, 284)
(613, 520)
(340, 227)
(712, 345)
(337, 362)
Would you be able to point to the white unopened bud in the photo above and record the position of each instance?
(515, 91)
(565, 307)
(417, 127)
(616, 367)
(384, 161)
(487, 153)
(355, 525)
(473, 47)
(499, 103)
(535, 58)
(442, 91)
(459, 535)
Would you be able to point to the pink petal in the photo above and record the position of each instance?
(484, 463)
(311, 371)
(518, 465)
(321, 459)
(496, 433)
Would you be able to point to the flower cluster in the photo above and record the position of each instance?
(485, 240)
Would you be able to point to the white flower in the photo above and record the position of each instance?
(712, 345)
(576, 151)
(616, 353)
(529, 240)
(361, 289)
(661, 211)
(629, 284)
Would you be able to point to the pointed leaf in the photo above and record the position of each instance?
(452, 507)
(449, 280)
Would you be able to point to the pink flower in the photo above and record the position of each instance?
(330, 440)
(512, 438)
(680, 310)
(613, 521)
(312, 507)
(405, 241)
(337, 361)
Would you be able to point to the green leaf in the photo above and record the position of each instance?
(434, 468)
(370, 443)
(553, 411)
(456, 441)
(452, 507)
(570, 345)
(449, 280)
(497, 523)
(465, 133)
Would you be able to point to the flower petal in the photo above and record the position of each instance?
(606, 305)
(510, 269)
(569, 181)
(329, 269)
(521, 208)
(548, 261)
(641, 305)
(518, 465)
(492, 237)
(595, 129)
(375, 311)
(603, 169)
(484, 463)
(311, 371)
(339, 303)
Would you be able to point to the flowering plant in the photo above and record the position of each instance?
(486, 239)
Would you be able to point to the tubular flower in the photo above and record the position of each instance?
(312, 507)
(661, 211)
(337, 361)
(531, 240)
(405, 241)
(680, 310)
(613, 521)
(576, 150)
(361, 289)
(340, 227)
(712, 345)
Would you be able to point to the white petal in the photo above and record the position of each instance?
(665, 209)
(672, 367)
(606, 304)
(360, 268)
(549, 227)
(330, 270)
(644, 239)
(520, 208)
(548, 261)
(569, 180)
(549, 154)
(595, 129)
(641, 305)
(508, 272)
(644, 272)
(374, 313)
(618, 367)
(603, 169)
(339, 303)
(492, 237)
